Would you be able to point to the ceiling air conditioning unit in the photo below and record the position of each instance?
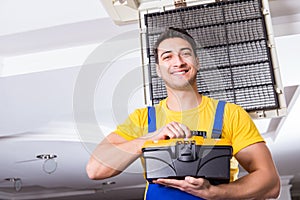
(236, 48)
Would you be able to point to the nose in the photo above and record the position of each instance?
(179, 61)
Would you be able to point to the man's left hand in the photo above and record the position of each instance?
(195, 186)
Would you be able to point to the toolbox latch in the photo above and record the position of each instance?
(186, 151)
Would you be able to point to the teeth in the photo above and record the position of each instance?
(179, 73)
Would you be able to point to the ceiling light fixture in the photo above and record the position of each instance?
(109, 183)
(17, 183)
(50, 164)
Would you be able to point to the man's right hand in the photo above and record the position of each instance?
(170, 131)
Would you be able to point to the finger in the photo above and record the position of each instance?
(179, 129)
(161, 134)
(170, 182)
(170, 135)
(168, 132)
(175, 130)
(192, 180)
(186, 130)
(197, 183)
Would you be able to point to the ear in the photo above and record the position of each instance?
(158, 70)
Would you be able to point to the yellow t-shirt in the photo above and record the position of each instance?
(238, 127)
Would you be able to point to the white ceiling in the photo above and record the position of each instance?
(49, 53)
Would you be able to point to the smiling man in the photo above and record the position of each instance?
(182, 111)
(179, 53)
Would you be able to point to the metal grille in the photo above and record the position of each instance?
(236, 63)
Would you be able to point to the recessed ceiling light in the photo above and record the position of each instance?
(17, 183)
(109, 183)
(46, 156)
(50, 163)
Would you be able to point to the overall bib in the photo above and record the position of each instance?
(156, 191)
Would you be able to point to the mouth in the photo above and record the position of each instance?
(181, 72)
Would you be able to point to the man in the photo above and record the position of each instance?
(182, 111)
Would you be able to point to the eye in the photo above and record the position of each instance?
(167, 57)
(186, 53)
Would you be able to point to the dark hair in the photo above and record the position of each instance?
(172, 32)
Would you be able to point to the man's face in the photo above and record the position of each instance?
(177, 64)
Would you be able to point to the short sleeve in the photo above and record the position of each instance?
(240, 128)
(134, 126)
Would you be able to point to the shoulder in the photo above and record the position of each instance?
(240, 127)
(233, 110)
(138, 114)
(230, 107)
(143, 112)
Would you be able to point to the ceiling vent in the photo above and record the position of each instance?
(236, 48)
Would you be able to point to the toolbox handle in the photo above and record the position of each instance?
(186, 151)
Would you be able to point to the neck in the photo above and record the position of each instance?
(180, 100)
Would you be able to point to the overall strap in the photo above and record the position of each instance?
(218, 123)
(151, 119)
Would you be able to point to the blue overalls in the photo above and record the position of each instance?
(156, 191)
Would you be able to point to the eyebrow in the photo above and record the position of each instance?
(165, 52)
(182, 49)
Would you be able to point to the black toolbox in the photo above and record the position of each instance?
(196, 156)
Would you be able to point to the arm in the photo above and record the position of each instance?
(114, 154)
(262, 181)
